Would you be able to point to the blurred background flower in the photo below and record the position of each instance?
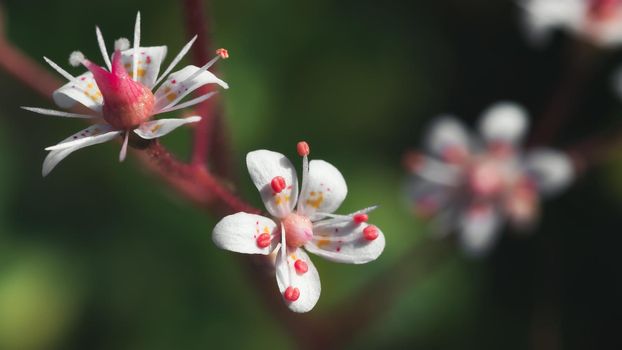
(102, 257)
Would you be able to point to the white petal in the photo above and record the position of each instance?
(56, 113)
(325, 190)
(92, 135)
(446, 133)
(239, 233)
(427, 197)
(541, 16)
(479, 228)
(161, 127)
(149, 61)
(308, 283)
(263, 166)
(344, 242)
(83, 90)
(504, 122)
(174, 89)
(551, 170)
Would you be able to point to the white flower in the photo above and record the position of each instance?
(122, 94)
(301, 221)
(599, 21)
(474, 185)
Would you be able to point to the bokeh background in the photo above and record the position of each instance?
(101, 255)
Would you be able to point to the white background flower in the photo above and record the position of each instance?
(473, 185)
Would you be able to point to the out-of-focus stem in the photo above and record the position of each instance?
(595, 149)
(208, 135)
(565, 97)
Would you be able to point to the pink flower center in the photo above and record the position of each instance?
(485, 179)
(127, 103)
(298, 230)
(603, 9)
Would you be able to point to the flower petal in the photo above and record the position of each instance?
(345, 242)
(83, 90)
(325, 190)
(543, 15)
(175, 88)
(307, 283)
(479, 227)
(263, 166)
(504, 122)
(149, 61)
(92, 135)
(447, 134)
(239, 233)
(161, 127)
(551, 170)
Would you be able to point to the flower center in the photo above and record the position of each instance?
(485, 179)
(127, 103)
(298, 230)
(603, 9)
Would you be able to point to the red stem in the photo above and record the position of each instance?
(197, 24)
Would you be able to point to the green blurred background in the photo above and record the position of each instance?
(101, 255)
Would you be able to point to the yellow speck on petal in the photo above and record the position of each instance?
(141, 72)
(278, 200)
(293, 257)
(322, 243)
(90, 85)
(171, 97)
(266, 229)
(156, 128)
(317, 201)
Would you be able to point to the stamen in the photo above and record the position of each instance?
(176, 60)
(76, 58)
(136, 46)
(301, 266)
(192, 102)
(264, 240)
(360, 218)
(370, 233)
(102, 47)
(303, 148)
(292, 293)
(223, 53)
(278, 184)
(123, 153)
(207, 65)
(59, 69)
(121, 44)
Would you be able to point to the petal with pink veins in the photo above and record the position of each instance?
(551, 170)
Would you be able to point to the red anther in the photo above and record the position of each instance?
(278, 184)
(303, 148)
(370, 233)
(301, 266)
(360, 218)
(263, 240)
(223, 53)
(292, 294)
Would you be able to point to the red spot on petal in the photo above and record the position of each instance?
(148, 59)
(303, 148)
(338, 249)
(360, 218)
(263, 240)
(174, 81)
(292, 293)
(301, 266)
(278, 184)
(370, 233)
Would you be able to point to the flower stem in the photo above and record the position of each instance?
(208, 138)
